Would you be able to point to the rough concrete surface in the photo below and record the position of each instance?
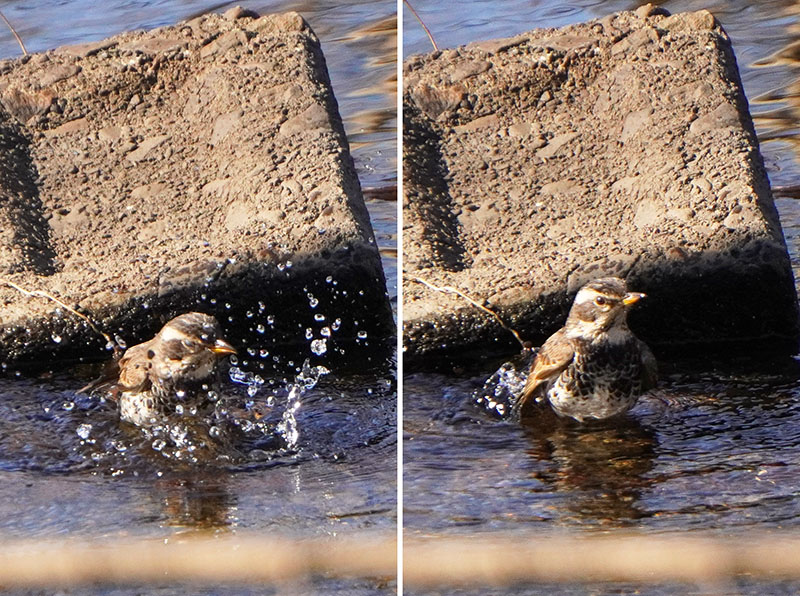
(199, 166)
(622, 146)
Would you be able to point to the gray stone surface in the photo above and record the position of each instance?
(201, 166)
(622, 146)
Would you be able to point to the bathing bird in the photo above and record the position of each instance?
(152, 378)
(594, 367)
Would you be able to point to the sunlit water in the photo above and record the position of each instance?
(283, 448)
(717, 448)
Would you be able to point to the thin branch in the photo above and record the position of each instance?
(475, 303)
(424, 27)
(41, 294)
(14, 31)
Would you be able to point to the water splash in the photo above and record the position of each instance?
(501, 390)
(242, 377)
(84, 431)
(319, 346)
(305, 380)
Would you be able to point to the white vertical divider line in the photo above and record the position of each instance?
(399, 297)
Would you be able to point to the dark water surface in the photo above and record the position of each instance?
(67, 467)
(717, 449)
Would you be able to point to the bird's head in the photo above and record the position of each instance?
(189, 345)
(600, 306)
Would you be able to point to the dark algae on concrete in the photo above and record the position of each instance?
(201, 166)
(622, 146)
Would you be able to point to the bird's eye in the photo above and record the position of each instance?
(600, 301)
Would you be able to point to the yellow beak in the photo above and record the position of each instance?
(222, 347)
(632, 298)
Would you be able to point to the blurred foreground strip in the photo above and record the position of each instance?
(225, 560)
(505, 560)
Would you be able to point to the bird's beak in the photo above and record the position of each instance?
(632, 298)
(222, 347)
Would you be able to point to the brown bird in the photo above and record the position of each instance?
(593, 367)
(154, 375)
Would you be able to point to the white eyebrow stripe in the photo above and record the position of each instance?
(171, 333)
(586, 295)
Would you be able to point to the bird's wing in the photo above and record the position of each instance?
(649, 368)
(553, 357)
(133, 371)
(106, 379)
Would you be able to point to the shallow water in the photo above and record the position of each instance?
(713, 450)
(67, 467)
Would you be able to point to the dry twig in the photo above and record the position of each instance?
(41, 294)
(424, 27)
(473, 302)
(16, 35)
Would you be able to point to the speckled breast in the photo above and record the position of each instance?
(603, 380)
(141, 409)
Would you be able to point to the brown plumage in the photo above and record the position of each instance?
(594, 367)
(150, 375)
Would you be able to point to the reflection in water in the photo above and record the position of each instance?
(777, 109)
(599, 466)
(717, 449)
(602, 467)
(197, 501)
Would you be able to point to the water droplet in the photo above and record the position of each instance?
(68, 405)
(179, 409)
(270, 319)
(263, 353)
(213, 301)
(309, 333)
(249, 314)
(56, 338)
(214, 431)
(84, 430)
(120, 342)
(288, 264)
(319, 346)
(159, 444)
(119, 446)
(319, 317)
(362, 334)
(228, 305)
(312, 302)
(260, 328)
(329, 279)
(325, 332)
(336, 324)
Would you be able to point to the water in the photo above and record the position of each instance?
(717, 449)
(286, 452)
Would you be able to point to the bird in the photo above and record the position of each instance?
(156, 374)
(594, 367)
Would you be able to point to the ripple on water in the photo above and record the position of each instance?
(709, 451)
